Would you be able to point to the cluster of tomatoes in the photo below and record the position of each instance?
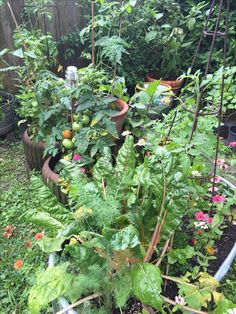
(80, 121)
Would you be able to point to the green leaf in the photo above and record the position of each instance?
(50, 285)
(30, 54)
(18, 53)
(103, 170)
(215, 221)
(181, 255)
(49, 245)
(146, 281)
(3, 52)
(152, 88)
(126, 238)
(125, 161)
(150, 36)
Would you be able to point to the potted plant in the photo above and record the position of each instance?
(81, 119)
(119, 218)
(7, 116)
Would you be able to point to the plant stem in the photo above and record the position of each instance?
(163, 252)
(93, 43)
(167, 300)
(71, 306)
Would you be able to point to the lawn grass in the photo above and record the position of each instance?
(16, 197)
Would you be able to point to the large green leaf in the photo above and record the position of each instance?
(146, 280)
(126, 238)
(43, 219)
(49, 245)
(50, 284)
(125, 162)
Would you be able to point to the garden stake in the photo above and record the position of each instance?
(221, 99)
(93, 44)
(214, 34)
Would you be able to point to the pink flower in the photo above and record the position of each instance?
(76, 157)
(215, 189)
(232, 144)
(83, 170)
(218, 198)
(220, 162)
(39, 236)
(217, 180)
(209, 220)
(224, 167)
(200, 216)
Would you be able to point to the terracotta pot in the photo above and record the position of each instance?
(50, 178)
(175, 85)
(120, 117)
(33, 152)
(7, 124)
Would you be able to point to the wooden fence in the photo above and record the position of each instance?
(67, 15)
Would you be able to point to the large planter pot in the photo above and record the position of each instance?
(232, 136)
(34, 152)
(120, 117)
(7, 122)
(50, 178)
(175, 85)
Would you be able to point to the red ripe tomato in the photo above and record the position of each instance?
(67, 134)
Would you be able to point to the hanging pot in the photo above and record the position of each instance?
(175, 85)
(7, 115)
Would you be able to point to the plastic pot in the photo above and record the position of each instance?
(34, 152)
(175, 85)
(120, 117)
(232, 136)
(7, 123)
(50, 178)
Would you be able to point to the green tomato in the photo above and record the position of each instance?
(85, 120)
(67, 143)
(77, 117)
(77, 126)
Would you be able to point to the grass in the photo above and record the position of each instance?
(16, 197)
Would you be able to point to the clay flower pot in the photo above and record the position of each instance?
(34, 152)
(50, 178)
(120, 117)
(175, 85)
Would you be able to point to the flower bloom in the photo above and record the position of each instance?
(200, 216)
(209, 220)
(224, 167)
(77, 157)
(83, 170)
(217, 180)
(179, 300)
(8, 231)
(232, 144)
(27, 244)
(215, 189)
(210, 250)
(201, 224)
(196, 173)
(39, 236)
(200, 232)
(18, 264)
(218, 198)
(125, 133)
(220, 162)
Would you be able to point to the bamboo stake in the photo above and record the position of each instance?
(93, 43)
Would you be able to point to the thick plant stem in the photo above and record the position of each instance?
(93, 43)
(93, 296)
(163, 252)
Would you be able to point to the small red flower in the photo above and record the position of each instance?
(194, 241)
(148, 154)
(27, 244)
(18, 264)
(200, 232)
(39, 236)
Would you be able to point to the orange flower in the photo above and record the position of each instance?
(210, 250)
(18, 264)
(39, 236)
(200, 232)
(27, 244)
(8, 231)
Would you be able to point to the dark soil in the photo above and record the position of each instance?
(224, 245)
